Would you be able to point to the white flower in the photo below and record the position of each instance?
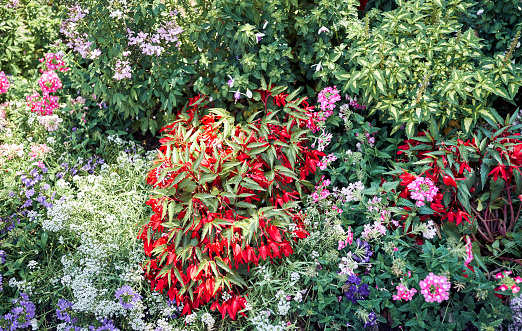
(323, 29)
(189, 319)
(208, 320)
(430, 230)
(317, 66)
(248, 93)
(259, 36)
(480, 12)
(264, 25)
(117, 13)
(95, 53)
(34, 324)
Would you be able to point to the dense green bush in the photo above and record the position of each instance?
(289, 42)
(430, 71)
(125, 59)
(26, 29)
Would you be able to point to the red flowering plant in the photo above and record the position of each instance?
(476, 184)
(226, 196)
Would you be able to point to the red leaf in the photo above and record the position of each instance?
(273, 231)
(450, 181)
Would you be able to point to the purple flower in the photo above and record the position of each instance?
(372, 319)
(28, 203)
(362, 252)
(3, 255)
(46, 187)
(22, 313)
(106, 325)
(127, 296)
(11, 194)
(356, 291)
(64, 311)
(29, 193)
(237, 95)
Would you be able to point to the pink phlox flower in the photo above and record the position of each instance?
(422, 189)
(469, 251)
(403, 293)
(327, 99)
(4, 83)
(38, 151)
(50, 82)
(435, 288)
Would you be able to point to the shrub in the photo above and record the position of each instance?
(226, 196)
(480, 183)
(425, 74)
(290, 42)
(125, 57)
(26, 29)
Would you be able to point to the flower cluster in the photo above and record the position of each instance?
(42, 104)
(49, 82)
(50, 122)
(435, 288)
(9, 151)
(64, 312)
(127, 296)
(363, 251)
(150, 43)
(422, 189)
(354, 290)
(21, 314)
(507, 282)
(326, 160)
(321, 192)
(4, 83)
(122, 70)
(327, 99)
(38, 151)
(53, 61)
(78, 42)
(403, 293)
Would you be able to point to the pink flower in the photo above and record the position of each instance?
(54, 62)
(469, 251)
(51, 122)
(422, 189)
(50, 82)
(515, 289)
(518, 279)
(37, 151)
(435, 288)
(42, 105)
(4, 83)
(327, 98)
(403, 293)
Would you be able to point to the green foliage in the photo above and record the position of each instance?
(246, 40)
(141, 80)
(25, 32)
(415, 65)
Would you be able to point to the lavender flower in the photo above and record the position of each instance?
(127, 296)
(3, 255)
(64, 311)
(362, 252)
(106, 325)
(29, 193)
